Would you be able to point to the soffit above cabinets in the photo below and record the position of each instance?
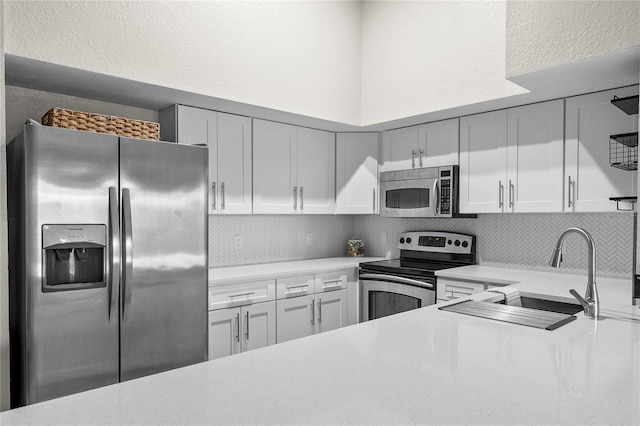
(616, 70)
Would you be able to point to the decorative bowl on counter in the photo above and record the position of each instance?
(356, 248)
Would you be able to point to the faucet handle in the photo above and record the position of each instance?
(590, 306)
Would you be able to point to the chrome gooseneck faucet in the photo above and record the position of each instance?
(590, 302)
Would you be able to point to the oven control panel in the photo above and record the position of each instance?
(438, 242)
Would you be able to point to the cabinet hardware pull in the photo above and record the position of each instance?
(238, 328)
(295, 198)
(569, 192)
(336, 283)
(313, 313)
(213, 192)
(413, 158)
(500, 194)
(374, 200)
(223, 197)
(511, 191)
(247, 322)
(421, 153)
(231, 296)
(302, 198)
(319, 311)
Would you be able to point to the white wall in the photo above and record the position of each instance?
(301, 57)
(4, 279)
(547, 34)
(425, 56)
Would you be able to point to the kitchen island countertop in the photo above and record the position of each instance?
(424, 366)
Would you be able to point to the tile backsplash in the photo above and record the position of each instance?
(518, 240)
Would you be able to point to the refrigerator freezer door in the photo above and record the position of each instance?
(66, 343)
(164, 279)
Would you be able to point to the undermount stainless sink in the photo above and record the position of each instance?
(541, 304)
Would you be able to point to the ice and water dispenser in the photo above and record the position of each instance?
(74, 257)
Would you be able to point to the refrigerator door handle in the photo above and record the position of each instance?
(127, 255)
(113, 265)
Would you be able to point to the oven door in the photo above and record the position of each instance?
(410, 198)
(382, 295)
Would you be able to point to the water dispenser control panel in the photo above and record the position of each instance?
(74, 257)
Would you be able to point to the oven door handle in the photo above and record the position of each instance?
(395, 279)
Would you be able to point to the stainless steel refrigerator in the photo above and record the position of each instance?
(107, 259)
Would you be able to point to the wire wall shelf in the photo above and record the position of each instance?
(623, 151)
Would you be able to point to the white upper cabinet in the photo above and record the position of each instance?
(589, 177)
(357, 173)
(229, 140)
(483, 159)
(511, 160)
(535, 146)
(233, 164)
(428, 145)
(316, 171)
(293, 169)
(438, 143)
(400, 149)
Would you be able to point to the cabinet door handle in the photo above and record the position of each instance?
(413, 158)
(374, 200)
(500, 194)
(313, 313)
(511, 191)
(569, 192)
(246, 335)
(238, 328)
(421, 153)
(223, 198)
(295, 198)
(213, 192)
(319, 311)
(302, 198)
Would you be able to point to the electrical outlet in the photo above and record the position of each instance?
(383, 238)
(309, 238)
(237, 241)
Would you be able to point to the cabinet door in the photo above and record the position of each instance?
(234, 164)
(591, 119)
(274, 167)
(400, 149)
(438, 143)
(294, 318)
(200, 126)
(357, 173)
(258, 325)
(316, 171)
(535, 160)
(331, 310)
(483, 160)
(224, 338)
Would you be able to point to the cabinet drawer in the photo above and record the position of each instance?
(331, 281)
(450, 290)
(229, 296)
(294, 286)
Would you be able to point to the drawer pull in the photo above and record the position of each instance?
(231, 296)
(332, 284)
(297, 289)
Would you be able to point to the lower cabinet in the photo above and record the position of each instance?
(450, 289)
(252, 315)
(242, 329)
(311, 304)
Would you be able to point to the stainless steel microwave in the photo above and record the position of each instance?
(425, 192)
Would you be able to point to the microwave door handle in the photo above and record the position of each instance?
(435, 198)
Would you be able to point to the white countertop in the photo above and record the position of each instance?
(265, 271)
(423, 366)
(611, 290)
